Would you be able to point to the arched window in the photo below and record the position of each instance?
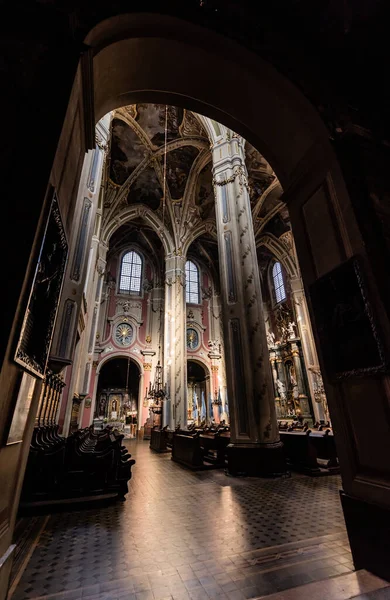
(277, 275)
(131, 273)
(192, 283)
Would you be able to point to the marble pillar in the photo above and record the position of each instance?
(255, 447)
(175, 365)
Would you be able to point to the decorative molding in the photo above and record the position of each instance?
(237, 172)
(81, 241)
(229, 263)
(66, 328)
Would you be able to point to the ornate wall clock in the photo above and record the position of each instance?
(123, 334)
(192, 338)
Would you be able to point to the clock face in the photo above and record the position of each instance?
(192, 338)
(123, 334)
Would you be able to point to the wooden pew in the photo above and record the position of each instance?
(186, 450)
(84, 466)
(300, 452)
(158, 440)
(214, 446)
(313, 453)
(326, 450)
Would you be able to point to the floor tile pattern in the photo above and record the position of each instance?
(192, 535)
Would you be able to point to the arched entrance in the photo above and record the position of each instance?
(283, 125)
(117, 396)
(198, 392)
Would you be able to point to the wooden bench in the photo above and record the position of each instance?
(312, 453)
(187, 451)
(158, 440)
(214, 446)
(84, 466)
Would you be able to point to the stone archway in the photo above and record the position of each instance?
(281, 123)
(132, 57)
(118, 382)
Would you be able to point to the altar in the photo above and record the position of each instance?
(292, 399)
(115, 407)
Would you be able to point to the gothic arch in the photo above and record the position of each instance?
(202, 363)
(280, 252)
(282, 124)
(133, 212)
(119, 354)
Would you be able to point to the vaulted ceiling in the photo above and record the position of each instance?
(135, 177)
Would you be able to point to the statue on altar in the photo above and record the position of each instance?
(102, 406)
(114, 409)
(290, 330)
(270, 338)
(281, 389)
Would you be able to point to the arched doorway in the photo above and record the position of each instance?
(288, 131)
(117, 396)
(305, 165)
(198, 392)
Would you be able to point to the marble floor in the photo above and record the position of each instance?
(185, 535)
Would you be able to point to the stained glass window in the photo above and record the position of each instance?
(192, 283)
(131, 273)
(280, 292)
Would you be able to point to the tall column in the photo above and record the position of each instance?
(308, 345)
(175, 368)
(255, 447)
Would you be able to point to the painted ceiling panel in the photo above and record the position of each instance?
(127, 151)
(179, 163)
(146, 189)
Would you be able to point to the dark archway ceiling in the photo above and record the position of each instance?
(118, 372)
(195, 371)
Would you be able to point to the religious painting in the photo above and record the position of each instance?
(115, 405)
(346, 327)
(192, 338)
(22, 409)
(36, 334)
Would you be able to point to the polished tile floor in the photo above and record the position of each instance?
(186, 535)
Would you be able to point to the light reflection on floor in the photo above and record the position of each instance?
(189, 535)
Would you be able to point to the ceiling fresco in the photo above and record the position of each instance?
(179, 163)
(151, 118)
(204, 194)
(127, 151)
(136, 169)
(146, 189)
